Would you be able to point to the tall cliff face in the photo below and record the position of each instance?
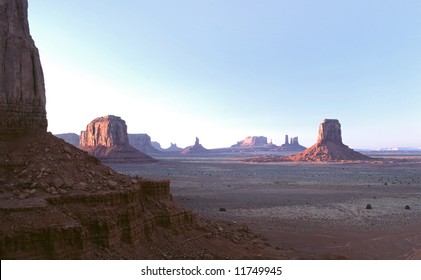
(329, 130)
(22, 91)
(106, 138)
(105, 131)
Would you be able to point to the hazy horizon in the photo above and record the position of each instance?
(225, 70)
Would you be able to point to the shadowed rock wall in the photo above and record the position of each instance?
(22, 91)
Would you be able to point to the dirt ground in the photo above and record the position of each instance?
(306, 210)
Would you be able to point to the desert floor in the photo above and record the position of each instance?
(305, 210)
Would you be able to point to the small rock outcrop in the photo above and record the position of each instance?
(71, 138)
(291, 145)
(173, 148)
(252, 141)
(197, 148)
(106, 138)
(22, 91)
(143, 143)
(329, 146)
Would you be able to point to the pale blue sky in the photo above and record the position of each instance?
(225, 69)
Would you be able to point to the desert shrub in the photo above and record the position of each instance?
(368, 206)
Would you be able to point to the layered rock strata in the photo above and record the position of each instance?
(22, 92)
(106, 138)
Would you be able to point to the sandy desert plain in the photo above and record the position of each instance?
(305, 210)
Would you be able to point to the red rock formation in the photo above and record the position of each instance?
(105, 131)
(22, 92)
(58, 202)
(197, 148)
(329, 146)
(106, 138)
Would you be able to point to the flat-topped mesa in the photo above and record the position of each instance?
(106, 138)
(105, 131)
(329, 130)
(22, 91)
(252, 141)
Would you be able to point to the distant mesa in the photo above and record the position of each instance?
(157, 146)
(143, 143)
(173, 148)
(106, 138)
(197, 148)
(71, 138)
(329, 146)
(291, 144)
(252, 141)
